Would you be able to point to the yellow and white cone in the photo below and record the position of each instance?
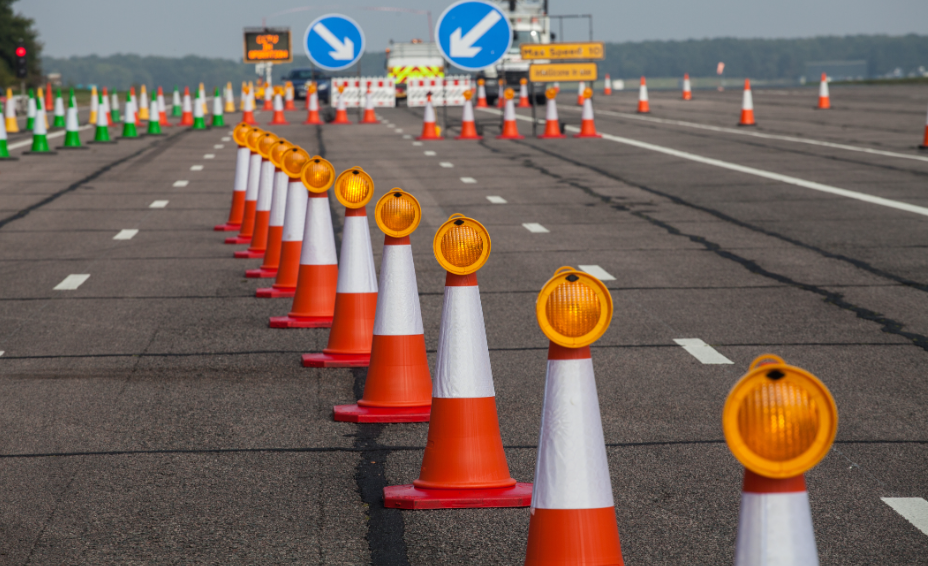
(230, 98)
(143, 104)
(9, 113)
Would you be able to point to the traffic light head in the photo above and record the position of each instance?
(21, 62)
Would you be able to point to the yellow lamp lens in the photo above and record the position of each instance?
(551, 93)
(468, 94)
(354, 188)
(778, 421)
(398, 213)
(462, 245)
(588, 93)
(573, 308)
(253, 136)
(278, 150)
(265, 143)
(509, 93)
(294, 160)
(240, 134)
(318, 174)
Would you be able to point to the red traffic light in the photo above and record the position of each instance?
(20, 51)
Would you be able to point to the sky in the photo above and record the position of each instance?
(214, 28)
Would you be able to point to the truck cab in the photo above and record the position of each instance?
(416, 59)
(530, 24)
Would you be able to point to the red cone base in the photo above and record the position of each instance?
(469, 132)
(272, 293)
(313, 119)
(227, 227)
(341, 117)
(411, 497)
(239, 240)
(357, 414)
(278, 119)
(248, 254)
(369, 117)
(322, 360)
(260, 273)
(300, 321)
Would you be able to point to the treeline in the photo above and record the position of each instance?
(758, 58)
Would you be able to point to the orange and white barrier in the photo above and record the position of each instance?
(824, 98)
(278, 119)
(237, 211)
(263, 203)
(289, 96)
(468, 124)
(747, 106)
(587, 125)
(370, 117)
(447, 91)
(687, 89)
(510, 127)
(523, 94)
(252, 185)
(186, 118)
(581, 86)
(429, 129)
(644, 106)
(607, 87)
(481, 94)
(552, 122)
(341, 111)
(275, 225)
(382, 89)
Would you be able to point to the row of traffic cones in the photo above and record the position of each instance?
(464, 463)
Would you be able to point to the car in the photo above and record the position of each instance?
(299, 77)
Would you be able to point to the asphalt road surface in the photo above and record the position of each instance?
(149, 415)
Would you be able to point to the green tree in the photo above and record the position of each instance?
(14, 28)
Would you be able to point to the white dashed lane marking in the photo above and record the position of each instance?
(196, 167)
(417, 144)
(72, 282)
(226, 139)
(219, 145)
(702, 351)
(497, 200)
(597, 272)
(158, 204)
(429, 153)
(468, 180)
(407, 137)
(535, 228)
(446, 164)
(181, 183)
(209, 156)
(2, 352)
(914, 509)
(126, 234)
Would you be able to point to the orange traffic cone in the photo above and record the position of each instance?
(581, 86)
(573, 512)
(398, 387)
(587, 126)
(312, 102)
(316, 284)
(523, 94)
(356, 296)
(237, 212)
(289, 103)
(268, 97)
(779, 421)
(429, 130)
(275, 225)
(106, 108)
(510, 128)
(369, 116)
(341, 109)
(607, 88)
(552, 123)
(500, 89)
(291, 244)
(265, 195)
(481, 94)
(251, 188)
(643, 106)
(186, 118)
(248, 102)
(747, 106)
(464, 464)
(824, 99)
(687, 90)
(278, 118)
(925, 142)
(162, 111)
(468, 125)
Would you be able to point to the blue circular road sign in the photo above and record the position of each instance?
(334, 42)
(473, 34)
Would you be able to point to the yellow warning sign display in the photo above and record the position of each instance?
(562, 51)
(567, 72)
(267, 44)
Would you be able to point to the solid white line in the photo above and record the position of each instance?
(757, 134)
(429, 153)
(597, 272)
(181, 183)
(209, 156)
(497, 200)
(50, 136)
(158, 204)
(196, 167)
(702, 351)
(468, 180)
(71, 282)
(535, 228)
(125, 234)
(914, 509)
(219, 145)
(446, 164)
(756, 172)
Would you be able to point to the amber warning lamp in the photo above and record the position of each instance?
(317, 175)
(573, 309)
(294, 160)
(354, 188)
(461, 245)
(398, 213)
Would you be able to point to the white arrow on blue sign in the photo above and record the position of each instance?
(473, 34)
(334, 42)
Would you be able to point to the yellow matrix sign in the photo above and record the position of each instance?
(566, 72)
(562, 51)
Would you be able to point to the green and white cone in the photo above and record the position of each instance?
(154, 126)
(30, 111)
(199, 122)
(114, 107)
(176, 109)
(102, 134)
(59, 111)
(128, 127)
(39, 133)
(72, 137)
(4, 150)
(217, 110)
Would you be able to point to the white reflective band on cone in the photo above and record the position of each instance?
(187, 107)
(31, 108)
(129, 117)
(356, 274)
(254, 176)
(775, 529)
(106, 105)
(94, 105)
(643, 92)
(587, 113)
(481, 91)
(176, 98)
(241, 169)
(398, 312)
(279, 199)
(823, 89)
(278, 103)
(71, 123)
(463, 367)
(161, 106)
(686, 85)
(368, 102)
(2, 130)
(101, 117)
(59, 106)
(748, 100)
(468, 112)
(581, 86)
(295, 215)
(509, 114)
(217, 106)
(571, 471)
(266, 186)
(38, 128)
(318, 238)
(429, 114)
(551, 110)
(198, 110)
(313, 102)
